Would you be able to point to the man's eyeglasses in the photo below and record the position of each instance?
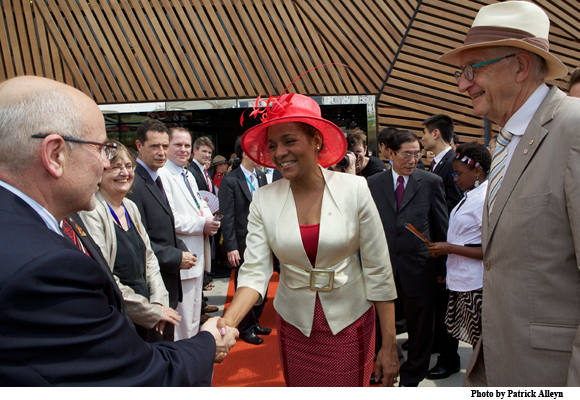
(108, 150)
(455, 176)
(468, 70)
(408, 156)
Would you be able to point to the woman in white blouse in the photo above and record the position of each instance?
(464, 264)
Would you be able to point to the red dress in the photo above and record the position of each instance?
(324, 359)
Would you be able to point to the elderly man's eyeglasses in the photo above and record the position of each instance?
(108, 150)
(455, 176)
(468, 70)
(408, 156)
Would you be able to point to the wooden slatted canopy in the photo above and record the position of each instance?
(127, 51)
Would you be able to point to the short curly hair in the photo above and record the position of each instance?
(477, 152)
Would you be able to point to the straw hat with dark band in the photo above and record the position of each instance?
(512, 23)
(293, 108)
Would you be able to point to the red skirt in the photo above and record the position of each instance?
(324, 359)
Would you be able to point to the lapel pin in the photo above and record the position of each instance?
(526, 151)
(329, 213)
(531, 142)
(80, 231)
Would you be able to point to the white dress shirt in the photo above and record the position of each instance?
(440, 156)
(465, 274)
(396, 177)
(152, 173)
(518, 123)
(252, 178)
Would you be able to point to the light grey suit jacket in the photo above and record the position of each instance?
(349, 221)
(531, 244)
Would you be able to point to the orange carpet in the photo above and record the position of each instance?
(248, 364)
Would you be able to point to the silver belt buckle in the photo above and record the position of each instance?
(327, 288)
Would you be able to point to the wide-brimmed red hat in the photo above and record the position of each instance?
(293, 108)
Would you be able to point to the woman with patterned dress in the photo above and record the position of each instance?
(316, 221)
(464, 263)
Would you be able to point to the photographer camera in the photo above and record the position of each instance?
(365, 165)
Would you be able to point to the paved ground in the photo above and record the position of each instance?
(217, 297)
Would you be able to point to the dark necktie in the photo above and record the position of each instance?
(432, 166)
(399, 191)
(70, 233)
(160, 186)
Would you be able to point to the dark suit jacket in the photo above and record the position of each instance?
(276, 176)
(60, 320)
(235, 199)
(157, 218)
(95, 252)
(200, 177)
(445, 170)
(423, 206)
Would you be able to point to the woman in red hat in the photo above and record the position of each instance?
(316, 222)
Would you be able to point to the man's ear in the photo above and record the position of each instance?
(524, 66)
(436, 134)
(391, 153)
(139, 145)
(53, 154)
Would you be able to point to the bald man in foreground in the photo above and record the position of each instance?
(60, 319)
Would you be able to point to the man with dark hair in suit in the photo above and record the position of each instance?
(382, 142)
(405, 194)
(149, 196)
(437, 135)
(236, 191)
(61, 319)
(202, 151)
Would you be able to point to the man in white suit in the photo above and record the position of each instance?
(193, 223)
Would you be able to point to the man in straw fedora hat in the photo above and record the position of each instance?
(531, 221)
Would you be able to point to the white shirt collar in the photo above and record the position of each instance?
(440, 156)
(46, 216)
(177, 168)
(151, 173)
(518, 123)
(396, 177)
(246, 172)
(201, 167)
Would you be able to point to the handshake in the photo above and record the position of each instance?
(225, 338)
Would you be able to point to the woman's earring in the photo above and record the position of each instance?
(476, 184)
(317, 148)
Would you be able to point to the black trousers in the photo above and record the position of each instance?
(443, 343)
(419, 315)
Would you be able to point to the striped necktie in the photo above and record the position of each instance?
(498, 166)
(209, 185)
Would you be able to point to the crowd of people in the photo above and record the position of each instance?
(106, 257)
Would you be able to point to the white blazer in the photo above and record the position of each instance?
(189, 222)
(349, 221)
